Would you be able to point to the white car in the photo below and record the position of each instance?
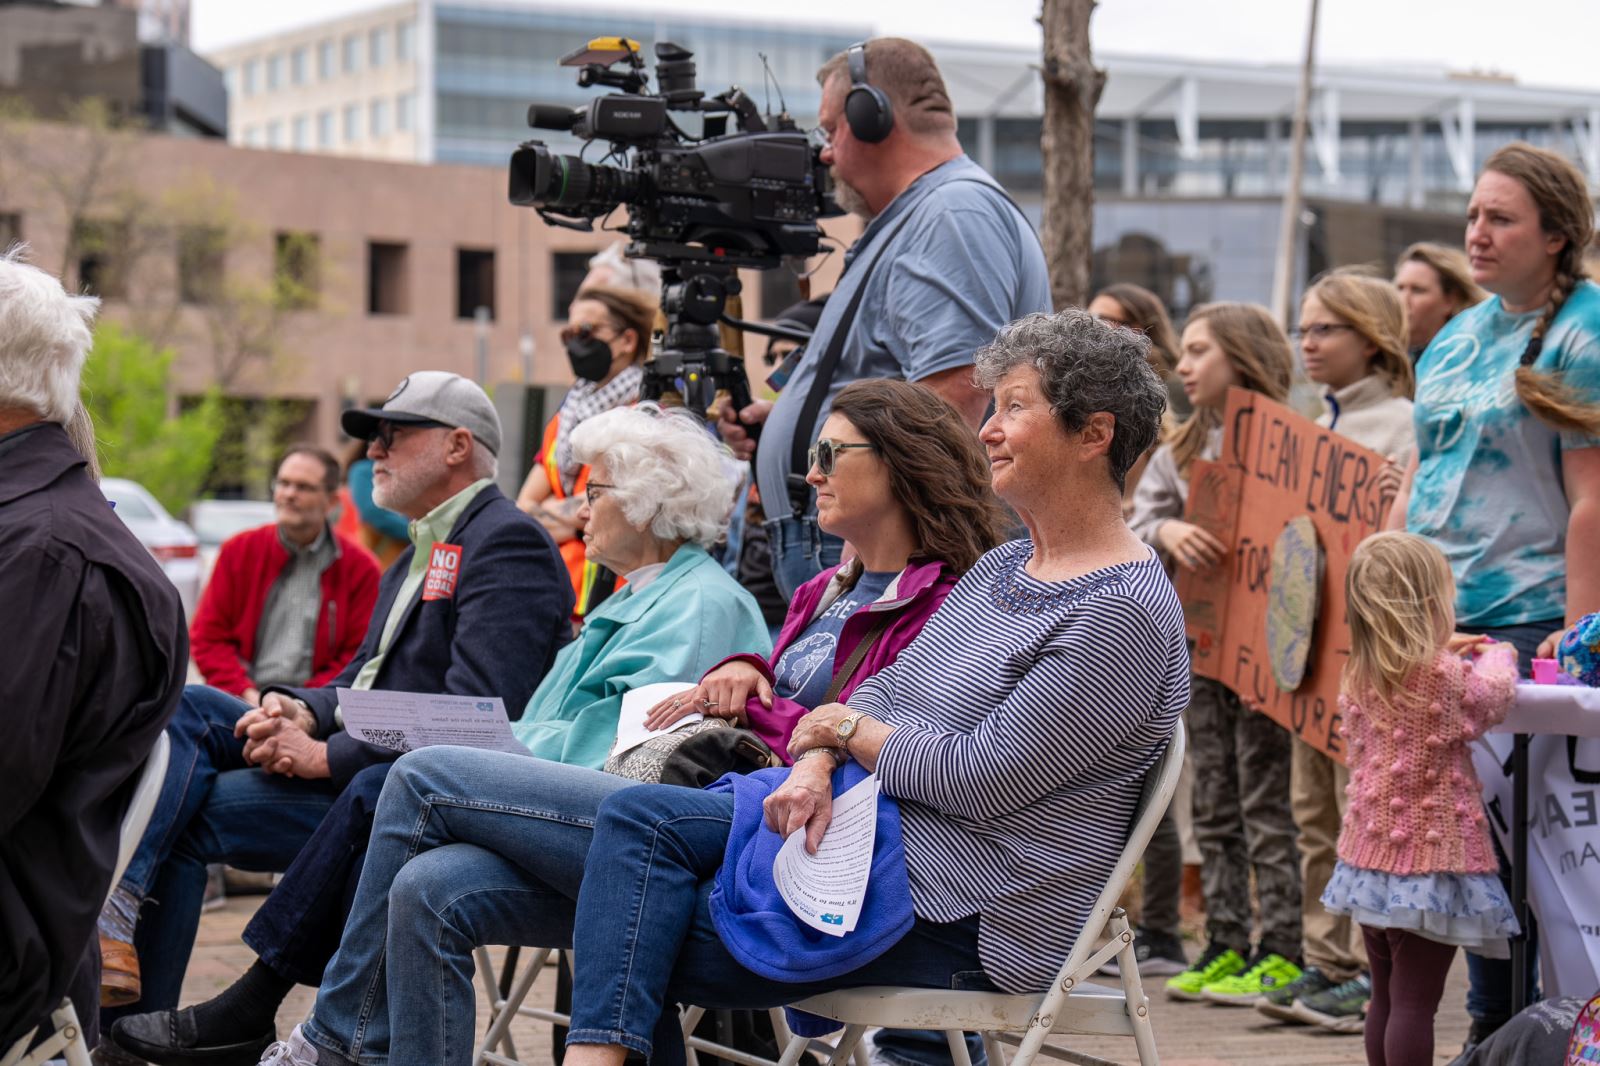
(172, 542)
(214, 521)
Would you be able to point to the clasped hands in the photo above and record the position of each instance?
(806, 797)
(722, 693)
(278, 738)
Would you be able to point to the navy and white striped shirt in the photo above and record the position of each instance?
(1026, 714)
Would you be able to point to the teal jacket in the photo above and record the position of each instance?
(690, 618)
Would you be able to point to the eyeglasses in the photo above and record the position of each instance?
(569, 333)
(824, 455)
(589, 492)
(385, 434)
(308, 487)
(1319, 330)
(819, 138)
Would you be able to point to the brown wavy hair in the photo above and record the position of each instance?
(937, 470)
(1372, 307)
(1148, 315)
(627, 309)
(1258, 349)
(1455, 273)
(1561, 194)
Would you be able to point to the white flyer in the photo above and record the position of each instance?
(826, 890)
(636, 704)
(404, 721)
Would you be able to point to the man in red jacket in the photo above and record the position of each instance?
(287, 604)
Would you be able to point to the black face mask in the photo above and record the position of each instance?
(590, 357)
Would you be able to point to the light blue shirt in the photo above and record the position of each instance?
(963, 264)
(1488, 488)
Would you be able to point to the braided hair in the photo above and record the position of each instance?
(1561, 194)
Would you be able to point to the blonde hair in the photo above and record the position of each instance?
(1399, 594)
(1561, 194)
(1453, 269)
(1372, 307)
(1259, 352)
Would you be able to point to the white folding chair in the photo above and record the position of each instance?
(1073, 1005)
(66, 1032)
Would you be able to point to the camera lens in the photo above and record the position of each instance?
(540, 178)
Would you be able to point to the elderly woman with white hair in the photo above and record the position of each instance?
(1012, 734)
(659, 496)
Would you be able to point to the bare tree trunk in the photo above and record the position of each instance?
(1071, 90)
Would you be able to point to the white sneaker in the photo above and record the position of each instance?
(296, 1051)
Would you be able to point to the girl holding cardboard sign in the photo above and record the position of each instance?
(1240, 758)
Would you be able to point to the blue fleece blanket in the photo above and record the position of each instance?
(758, 927)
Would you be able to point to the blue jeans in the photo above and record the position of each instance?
(473, 847)
(1489, 980)
(213, 808)
(296, 929)
(800, 551)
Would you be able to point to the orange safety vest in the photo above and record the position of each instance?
(584, 574)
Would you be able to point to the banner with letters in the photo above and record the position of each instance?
(1290, 500)
(1563, 849)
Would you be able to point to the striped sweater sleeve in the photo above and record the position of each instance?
(1090, 690)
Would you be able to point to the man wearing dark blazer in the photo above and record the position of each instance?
(477, 606)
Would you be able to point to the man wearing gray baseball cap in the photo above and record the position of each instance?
(478, 605)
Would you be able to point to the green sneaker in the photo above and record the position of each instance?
(1245, 989)
(1279, 1000)
(1341, 1008)
(1215, 963)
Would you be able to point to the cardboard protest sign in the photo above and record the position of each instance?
(1278, 467)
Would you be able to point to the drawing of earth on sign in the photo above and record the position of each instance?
(1292, 601)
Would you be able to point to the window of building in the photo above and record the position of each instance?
(378, 47)
(252, 136)
(378, 118)
(352, 54)
(405, 41)
(352, 122)
(200, 263)
(568, 270)
(100, 272)
(326, 56)
(402, 111)
(386, 279)
(299, 66)
(274, 73)
(297, 273)
(10, 229)
(274, 134)
(230, 81)
(250, 77)
(474, 281)
(302, 133)
(324, 129)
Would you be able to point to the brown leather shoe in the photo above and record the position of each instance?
(119, 973)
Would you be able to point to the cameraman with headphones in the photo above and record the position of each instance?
(946, 259)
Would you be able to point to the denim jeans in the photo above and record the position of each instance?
(473, 847)
(1489, 980)
(296, 929)
(800, 551)
(213, 808)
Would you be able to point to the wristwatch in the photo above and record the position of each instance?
(847, 728)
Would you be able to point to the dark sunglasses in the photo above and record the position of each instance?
(385, 433)
(824, 455)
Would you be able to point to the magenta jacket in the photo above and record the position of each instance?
(913, 596)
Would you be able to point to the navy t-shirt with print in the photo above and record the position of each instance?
(805, 669)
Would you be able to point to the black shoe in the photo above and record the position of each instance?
(1279, 1002)
(1482, 1029)
(1158, 955)
(167, 1038)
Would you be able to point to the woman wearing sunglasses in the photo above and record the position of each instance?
(607, 337)
(903, 481)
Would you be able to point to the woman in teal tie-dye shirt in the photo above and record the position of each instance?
(1507, 475)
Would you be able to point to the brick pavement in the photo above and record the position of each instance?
(1187, 1034)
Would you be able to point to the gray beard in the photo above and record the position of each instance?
(846, 196)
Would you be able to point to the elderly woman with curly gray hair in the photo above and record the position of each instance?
(1012, 736)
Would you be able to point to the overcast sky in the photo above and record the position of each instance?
(1540, 42)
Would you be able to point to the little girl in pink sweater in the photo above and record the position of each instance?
(1416, 867)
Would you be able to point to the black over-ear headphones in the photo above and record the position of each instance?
(866, 108)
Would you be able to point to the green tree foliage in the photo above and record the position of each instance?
(126, 387)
